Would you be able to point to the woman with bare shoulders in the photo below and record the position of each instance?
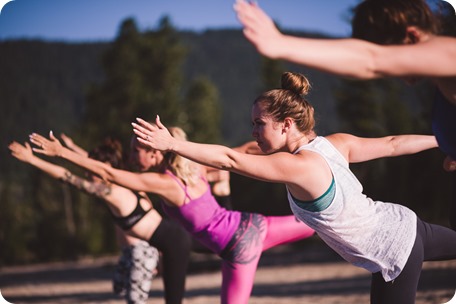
(386, 239)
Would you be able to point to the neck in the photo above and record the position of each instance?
(302, 139)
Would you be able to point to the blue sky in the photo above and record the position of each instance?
(93, 20)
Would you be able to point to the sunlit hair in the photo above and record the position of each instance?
(290, 101)
(109, 151)
(183, 168)
(386, 21)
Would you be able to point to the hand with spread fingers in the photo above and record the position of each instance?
(154, 136)
(259, 28)
(21, 152)
(50, 147)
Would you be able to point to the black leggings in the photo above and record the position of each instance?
(453, 201)
(433, 243)
(174, 243)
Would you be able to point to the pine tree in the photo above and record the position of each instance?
(202, 112)
(143, 79)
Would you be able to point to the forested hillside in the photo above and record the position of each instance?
(211, 79)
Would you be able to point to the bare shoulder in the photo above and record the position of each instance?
(342, 142)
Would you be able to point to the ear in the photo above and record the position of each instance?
(287, 124)
(413, 35)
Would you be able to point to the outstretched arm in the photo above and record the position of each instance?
(273, 168)
(360, 149)
(25, 154)
(147, 182)
(72, 145)
(347, 57)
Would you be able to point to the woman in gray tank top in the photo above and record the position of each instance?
(386, 239)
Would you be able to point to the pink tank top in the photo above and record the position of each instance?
(205, 219)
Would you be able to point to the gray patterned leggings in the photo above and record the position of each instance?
(134, 272)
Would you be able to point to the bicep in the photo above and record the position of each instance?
(277, 167)
(360, 149)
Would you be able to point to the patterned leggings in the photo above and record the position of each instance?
(134, 271)
(256, 233)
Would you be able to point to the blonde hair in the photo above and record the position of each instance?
(187, 170)
(290, 101)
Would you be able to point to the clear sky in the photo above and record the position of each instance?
(93, 20)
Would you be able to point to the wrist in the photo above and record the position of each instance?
(173, 145)
(61, 152)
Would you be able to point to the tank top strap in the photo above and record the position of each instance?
(179, 182)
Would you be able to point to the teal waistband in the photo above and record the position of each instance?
(320, 203)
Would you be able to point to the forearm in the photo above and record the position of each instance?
(79, 150)
(54, 171)
(97, 167)
(410, 144)
(344, 57)
(215, 156)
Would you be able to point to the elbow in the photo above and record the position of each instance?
(394, 145)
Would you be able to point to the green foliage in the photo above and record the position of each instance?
(143, 78)
(201, 115)
(271, 71)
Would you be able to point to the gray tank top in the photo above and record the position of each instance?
(374, 235)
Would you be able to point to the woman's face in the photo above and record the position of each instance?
(145, 158)
(268, 133)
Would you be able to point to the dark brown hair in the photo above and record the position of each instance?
(109, 151)
(386, 21)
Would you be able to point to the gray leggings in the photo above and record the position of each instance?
(433, 243)
(134, 272)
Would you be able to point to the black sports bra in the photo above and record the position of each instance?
(126, 222)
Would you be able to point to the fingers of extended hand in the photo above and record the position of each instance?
(35, 139)
(139, 134)
(13, 146)
(139, 130)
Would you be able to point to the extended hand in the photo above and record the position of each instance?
(50, 147)
(67, 140)
(22, 153)
(154, 136)
(449, 164)
(259, 28)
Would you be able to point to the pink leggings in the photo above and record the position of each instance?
(255, 234)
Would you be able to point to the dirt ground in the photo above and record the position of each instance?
(285, 275)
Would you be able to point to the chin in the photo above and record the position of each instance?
(267, 150)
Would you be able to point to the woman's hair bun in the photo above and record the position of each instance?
(295, 82)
